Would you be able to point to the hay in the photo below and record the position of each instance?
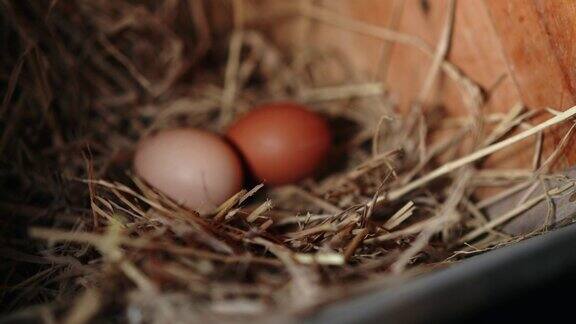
(84, 80)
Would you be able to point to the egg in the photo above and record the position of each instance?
(281, 142)
(195, 168)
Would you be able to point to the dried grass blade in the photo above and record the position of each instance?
(400, 216)
(513, 213)
(264, 207)
(451, 166)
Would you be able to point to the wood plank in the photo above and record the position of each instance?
(537, 37)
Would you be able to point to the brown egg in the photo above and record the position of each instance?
(195, 168)
(281, 142)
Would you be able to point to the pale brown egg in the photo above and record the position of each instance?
(282, 142)
(195, 168)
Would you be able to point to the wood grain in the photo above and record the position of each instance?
(537, 38)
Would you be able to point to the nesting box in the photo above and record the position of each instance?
(85, 79)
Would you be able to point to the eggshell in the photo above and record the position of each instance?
(195, 168)
(281, 142)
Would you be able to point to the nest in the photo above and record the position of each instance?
(84, 238)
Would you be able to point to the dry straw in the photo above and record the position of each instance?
(85, 79)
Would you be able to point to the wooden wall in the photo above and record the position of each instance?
(516, 50)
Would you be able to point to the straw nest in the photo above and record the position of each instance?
(82, 238)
